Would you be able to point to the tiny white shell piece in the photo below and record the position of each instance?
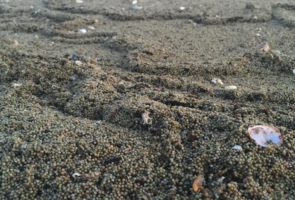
(237, 148)
(82, 30)
(79, 1)
(76, 174)
(134, 2)
(263, 135)
(217, 81)
(294, 71)
(231, 87)
(181, 8)
(78, 62)
(265, 47)
(91, 27)
(15, 85)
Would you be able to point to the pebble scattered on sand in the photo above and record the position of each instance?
(294, 71)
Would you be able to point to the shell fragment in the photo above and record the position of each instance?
(263, 135)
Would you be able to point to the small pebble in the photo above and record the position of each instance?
(73, 56)
(237, 147)
(74, 77)
(79, 1)
(82, 30)
(294, 71)
(231, 87)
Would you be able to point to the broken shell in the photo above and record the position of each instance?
(78, 62)
(82, 30)
(91, 27)
(294, 71)
(15, 85)
(181, 8)
(231, 87)
(237, 148)
(146, 118)
(263, 135)
(198, 183)
(75, 175)
(217, 81)
(79, 1)
(265, 47)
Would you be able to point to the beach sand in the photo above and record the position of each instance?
(113, 100)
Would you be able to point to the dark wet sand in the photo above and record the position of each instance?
(75, 130)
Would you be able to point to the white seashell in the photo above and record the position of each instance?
(237, 147)
(134, 2)
(91, 27)
(217, 81)
(15, 85)
(262, 135)
(75, 175)
(79, 1)
(294, 71)
(231, 87)
(181, 8)
(146, 118)
(78, 62)
(82, 30)
(265, 47)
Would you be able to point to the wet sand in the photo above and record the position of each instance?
(107, 100)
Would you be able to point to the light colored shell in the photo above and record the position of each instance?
(217, 81)
(263, 135)
(265, 47)
(237, 148)
(230, 87)
(146, 118)
(79, 1)
(198, 183)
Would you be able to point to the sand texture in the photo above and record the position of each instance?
(105, 99)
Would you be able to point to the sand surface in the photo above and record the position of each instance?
(109, 100)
